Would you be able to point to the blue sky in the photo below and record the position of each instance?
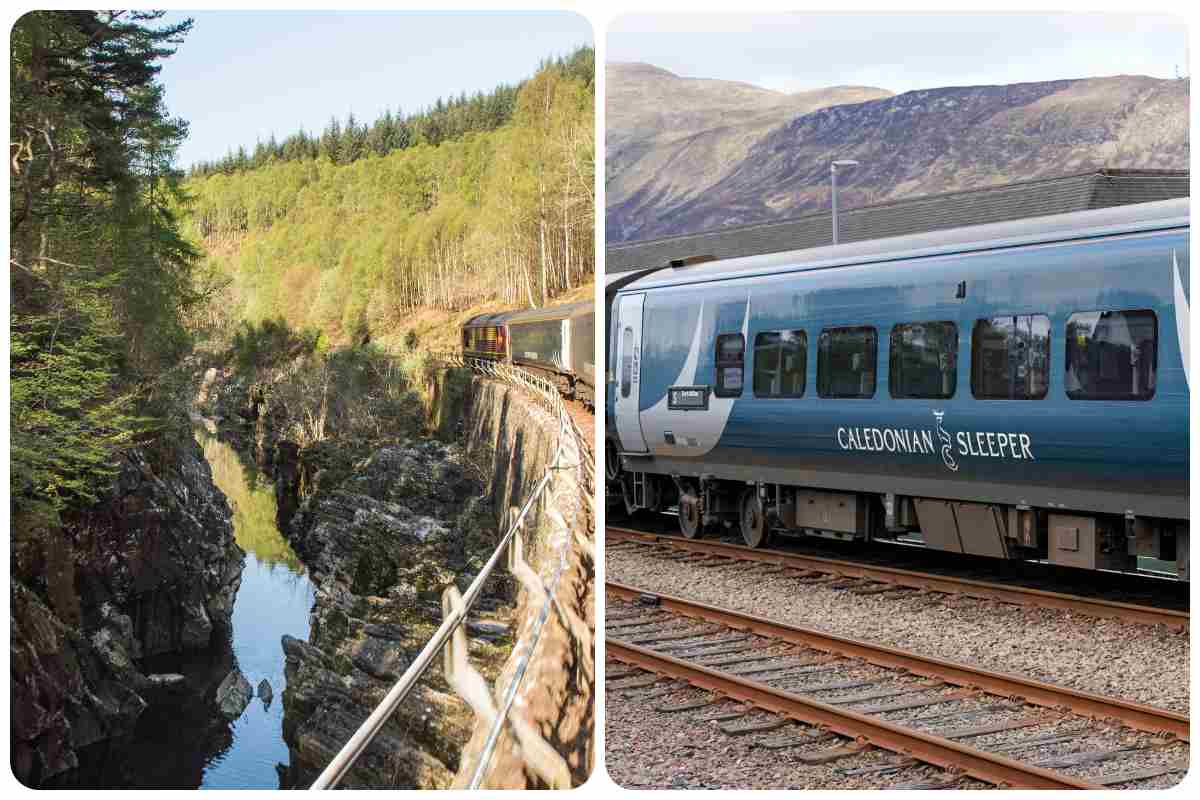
(795, 52)
(242, 75)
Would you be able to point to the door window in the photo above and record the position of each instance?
(626, 361)
(731, 353)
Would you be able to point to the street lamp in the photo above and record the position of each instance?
(833, 172)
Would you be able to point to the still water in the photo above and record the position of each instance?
(274, 599)
(184, 742)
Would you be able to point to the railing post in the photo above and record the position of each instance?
(515, 545)
(466, 682)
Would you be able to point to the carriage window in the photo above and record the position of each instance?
(1010, 357)
(466, 338)
(780, 363)
(1112, 355)
(731, 350)
(924, 362)
(846, 362)
(626, 362)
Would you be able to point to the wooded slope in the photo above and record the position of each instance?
(500, 214)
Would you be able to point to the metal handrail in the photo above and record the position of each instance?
(543, 616)
(548, 397)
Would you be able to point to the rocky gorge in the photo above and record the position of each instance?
(131, 667)
(382, 526)
(150, 572)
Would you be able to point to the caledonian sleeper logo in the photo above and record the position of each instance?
(973, 444)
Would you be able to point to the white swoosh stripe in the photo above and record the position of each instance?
(702, 427)
(1182, 312)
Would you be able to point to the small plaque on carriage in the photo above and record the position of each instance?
(687, 398)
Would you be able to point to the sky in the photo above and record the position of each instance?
(797, 52)
(239, 76)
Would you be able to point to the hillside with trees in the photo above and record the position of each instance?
(488, 198)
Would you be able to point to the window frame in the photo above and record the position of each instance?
(892, 371)
(1049, 355)
(802, 334)
(720, 364)
(874, 361)
(1067, 356)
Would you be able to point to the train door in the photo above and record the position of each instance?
(628, 368)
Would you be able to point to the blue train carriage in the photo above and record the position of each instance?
(1015, 390)
(558, 343)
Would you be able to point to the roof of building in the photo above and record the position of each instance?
(1089, 190)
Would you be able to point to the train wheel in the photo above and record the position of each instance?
(690, 523)
(754, 520)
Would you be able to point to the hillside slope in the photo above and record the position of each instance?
(668, 138)
(918, 143)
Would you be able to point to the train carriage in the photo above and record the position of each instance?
(556, 342)
(581, 324)
(1016, 390)
(542, 340)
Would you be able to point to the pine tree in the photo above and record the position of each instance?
(331, 141)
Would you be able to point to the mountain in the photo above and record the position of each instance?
(667, 138)
(916, 143)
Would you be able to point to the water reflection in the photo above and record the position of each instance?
(274, 599)
(252, 498)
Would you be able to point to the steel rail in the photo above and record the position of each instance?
(1135, 715)
(1018, 595)
(922, 746)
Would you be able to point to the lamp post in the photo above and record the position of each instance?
(833, 173)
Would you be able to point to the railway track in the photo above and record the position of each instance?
(876, 578)
(828, 698)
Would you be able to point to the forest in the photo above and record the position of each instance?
(477, 199)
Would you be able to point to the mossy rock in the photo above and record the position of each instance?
(373, 574)
(342, 664)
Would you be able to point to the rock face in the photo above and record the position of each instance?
(151, 569)
(917, 143)
(381, 545)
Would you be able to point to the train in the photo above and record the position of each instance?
(556, 342)
(1017, 390)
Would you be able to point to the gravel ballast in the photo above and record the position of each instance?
(1109, 657)
(648, 749)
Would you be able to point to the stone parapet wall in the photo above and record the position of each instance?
(553, 658)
